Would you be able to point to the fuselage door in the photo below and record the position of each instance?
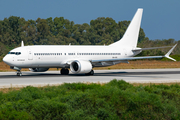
(30, 55)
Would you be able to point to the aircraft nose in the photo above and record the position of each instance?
(6, 60)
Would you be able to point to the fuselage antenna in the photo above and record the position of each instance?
(22, 44)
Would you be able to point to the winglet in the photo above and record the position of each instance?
(22, 44)
(169, 52)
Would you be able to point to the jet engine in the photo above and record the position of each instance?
(38, 69)
(80, 66)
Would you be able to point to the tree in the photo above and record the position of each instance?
(43, 31)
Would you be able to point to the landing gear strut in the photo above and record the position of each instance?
(64, 71)
(90, 73)
(19, 73)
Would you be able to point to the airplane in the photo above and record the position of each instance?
(80, 58)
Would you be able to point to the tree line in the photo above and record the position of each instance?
(60, 31)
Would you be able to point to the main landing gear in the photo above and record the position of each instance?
(19, 73)
(64, 71)
(90, 73)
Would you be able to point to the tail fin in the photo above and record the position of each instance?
(130, 37)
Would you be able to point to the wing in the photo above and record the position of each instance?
(136, 58)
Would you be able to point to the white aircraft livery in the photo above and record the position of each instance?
(80, 58)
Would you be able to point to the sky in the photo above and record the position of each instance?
(161, 18)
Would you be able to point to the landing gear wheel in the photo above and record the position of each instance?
(64, 71)
(90, 73)
(19, 73)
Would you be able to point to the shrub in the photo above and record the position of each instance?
(114, 100)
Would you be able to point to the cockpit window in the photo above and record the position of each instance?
(16, 53)
(11, 53)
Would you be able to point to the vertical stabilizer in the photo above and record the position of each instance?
(130, 37)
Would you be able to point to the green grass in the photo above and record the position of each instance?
(114, 100)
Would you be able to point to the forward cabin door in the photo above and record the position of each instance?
(30, 55)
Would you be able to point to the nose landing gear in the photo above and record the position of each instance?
(18, 70)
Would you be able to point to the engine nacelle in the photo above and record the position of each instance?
(80, 66)
(38, 69)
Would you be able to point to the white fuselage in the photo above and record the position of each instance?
(57, 56)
